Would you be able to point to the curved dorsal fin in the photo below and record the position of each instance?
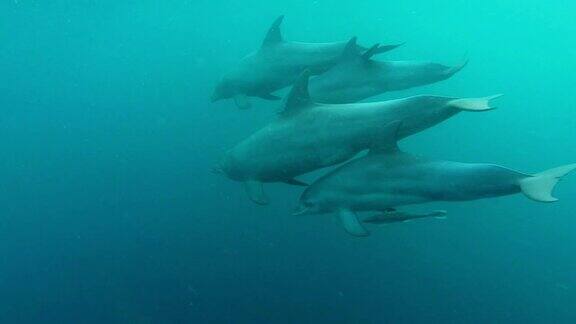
(274, 35)
(299, 96)
(371, 52)
(350, 51)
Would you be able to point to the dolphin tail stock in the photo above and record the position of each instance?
(255, 192)
(539, 187)
(351, 223)
(473, 104)
(391, 217)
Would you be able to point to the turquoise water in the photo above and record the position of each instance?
(111, 214)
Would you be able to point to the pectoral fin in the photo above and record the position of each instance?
(269, 96)
(296, 182)
(255, 191)
(242, 101)
(439, 214)
(351, 223)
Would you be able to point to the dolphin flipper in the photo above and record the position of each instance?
(269, 96)
(351, 223)
(255, 191)
(296, 182)
(242, 101)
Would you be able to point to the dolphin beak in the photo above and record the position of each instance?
(300, 211)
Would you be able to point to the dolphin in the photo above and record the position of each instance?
(277, 64)
(357, 76)
(391, 215)
(387, 177)
(307, 136)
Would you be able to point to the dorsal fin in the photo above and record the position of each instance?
(370, 52)
(274, 35)
(387, 139)
(299, 96)
(350, 51)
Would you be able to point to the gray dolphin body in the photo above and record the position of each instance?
(277, 64)
(356, 76)
(387, 177)
(308, 136)
(391, 215)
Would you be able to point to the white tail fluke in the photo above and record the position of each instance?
(473, 104)
(540, 186)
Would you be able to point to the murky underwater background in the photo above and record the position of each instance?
(110, 213)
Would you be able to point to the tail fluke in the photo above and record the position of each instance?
(473, 104)
(540, 186)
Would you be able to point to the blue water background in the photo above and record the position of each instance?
(110, 213)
